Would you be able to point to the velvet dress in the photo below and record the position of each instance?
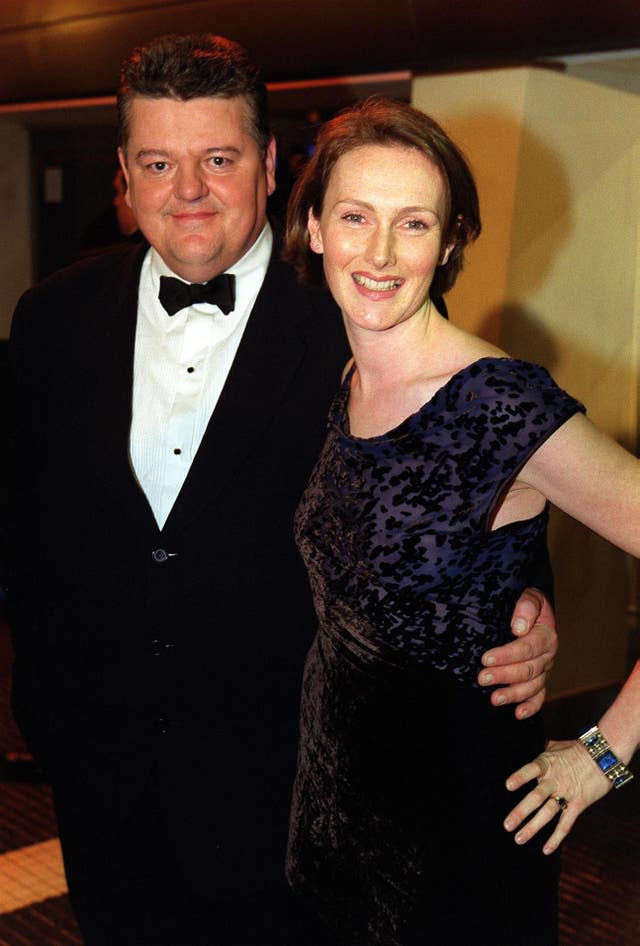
(396, 828)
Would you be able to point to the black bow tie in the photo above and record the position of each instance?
(175, 294)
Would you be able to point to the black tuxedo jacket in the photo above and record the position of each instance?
(182, 649)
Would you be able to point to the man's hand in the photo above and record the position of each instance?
(520, 668)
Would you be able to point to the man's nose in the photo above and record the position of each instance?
(190, 183)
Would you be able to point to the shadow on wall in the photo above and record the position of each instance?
(523, 335)
(526, 207)
(542, 221)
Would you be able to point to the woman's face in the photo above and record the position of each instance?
(380, 232)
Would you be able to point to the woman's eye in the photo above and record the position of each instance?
(353, 218)
(417, 225)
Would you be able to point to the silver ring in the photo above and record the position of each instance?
(562, 803)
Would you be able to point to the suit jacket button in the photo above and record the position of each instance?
(159, 555)
(163, 724)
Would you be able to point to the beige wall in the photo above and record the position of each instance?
(554, 278)
(15, 226)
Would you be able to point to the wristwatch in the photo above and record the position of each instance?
(605, 758)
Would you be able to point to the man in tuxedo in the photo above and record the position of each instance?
(162, 434)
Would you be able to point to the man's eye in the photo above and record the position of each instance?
(219, 161)
(159, 166)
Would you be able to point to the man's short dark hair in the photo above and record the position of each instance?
(193, 66)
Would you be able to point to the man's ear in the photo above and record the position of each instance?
(270, 165)
(123, 164)
(315, 237)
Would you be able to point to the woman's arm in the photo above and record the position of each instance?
(593, 479)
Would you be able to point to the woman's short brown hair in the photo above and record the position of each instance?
(384, 121)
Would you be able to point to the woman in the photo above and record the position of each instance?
(416, 528)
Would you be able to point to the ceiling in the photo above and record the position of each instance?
(65, 49)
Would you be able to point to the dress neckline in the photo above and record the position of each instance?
(342, 414)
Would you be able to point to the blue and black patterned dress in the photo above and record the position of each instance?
(396, 831)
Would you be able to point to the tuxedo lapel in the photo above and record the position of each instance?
(272, 347)
(117, 304)
(120, 306)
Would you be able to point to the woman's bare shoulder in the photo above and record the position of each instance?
(463, 348)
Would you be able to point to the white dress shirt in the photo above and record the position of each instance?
(181, 363)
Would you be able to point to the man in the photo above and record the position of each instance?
(160, 611)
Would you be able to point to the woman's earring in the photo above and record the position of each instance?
(444, 258)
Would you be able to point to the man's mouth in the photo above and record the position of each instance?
(201, 215)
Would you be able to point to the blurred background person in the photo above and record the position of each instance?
(116, 225)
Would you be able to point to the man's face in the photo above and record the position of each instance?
(196, 181)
